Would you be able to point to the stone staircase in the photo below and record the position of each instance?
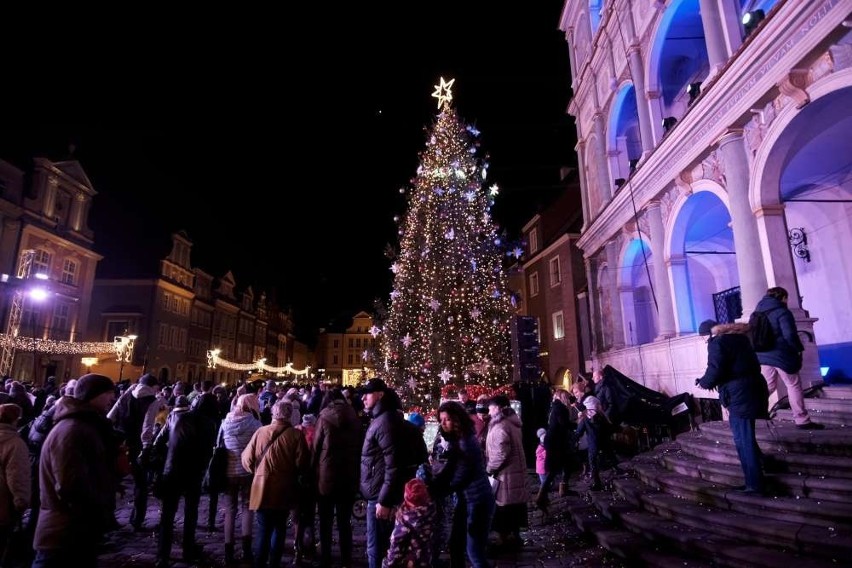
(677, 507)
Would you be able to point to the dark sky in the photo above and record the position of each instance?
(265, 134)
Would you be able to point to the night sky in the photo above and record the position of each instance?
(263, 134)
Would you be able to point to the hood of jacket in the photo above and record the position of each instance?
(769, 303)
(141, 391)
(730, 328)
(68, 406)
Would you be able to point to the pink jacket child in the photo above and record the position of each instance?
(540, 455)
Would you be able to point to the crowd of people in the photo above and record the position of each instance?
(294, 456)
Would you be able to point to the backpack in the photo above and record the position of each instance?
(413, 451)
(762, 334)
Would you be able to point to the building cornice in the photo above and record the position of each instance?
(789, 36)
(54, 238)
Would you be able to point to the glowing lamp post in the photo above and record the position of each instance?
(89, 362)
(123, 351)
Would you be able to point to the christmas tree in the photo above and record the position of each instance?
(450, 307)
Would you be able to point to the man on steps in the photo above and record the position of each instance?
(785, 360)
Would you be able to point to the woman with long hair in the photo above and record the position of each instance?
(463, 473)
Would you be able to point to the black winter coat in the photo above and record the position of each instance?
(788, 347)
(733, 369)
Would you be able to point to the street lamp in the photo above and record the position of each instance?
(88, 362)
(123, 345)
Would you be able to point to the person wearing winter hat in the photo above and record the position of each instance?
(78, 456)
(410, 542)
(68, 389)
(417, 419)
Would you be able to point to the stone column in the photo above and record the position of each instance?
(594, 302)
(781, 271)
(714, 35)
(645, 129)
(746, 242)
(580, 148)
(49, 206)
(676, 264)
(612, 284)
(662, 292)
(603, 180)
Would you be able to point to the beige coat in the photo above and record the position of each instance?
(14, 475)
(504, 452)
(276, 477)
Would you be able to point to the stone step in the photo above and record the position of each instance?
(836, 392)
(819, 488)
(829, 419)
(667, 510)
(627, 545)
(784, 436)
(719, 551)
(799, 510)
(718, 450)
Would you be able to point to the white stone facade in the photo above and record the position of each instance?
(685, 222)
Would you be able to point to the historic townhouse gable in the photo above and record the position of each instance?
(714, 163)
(45, 210)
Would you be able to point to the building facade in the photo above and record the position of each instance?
(345, 352)
(553, 276)
(184, 312)
(715, 163)
(45, 210)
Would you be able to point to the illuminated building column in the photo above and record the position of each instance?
(615, 297)
(714, 35)
(746, 240)
(601, 158)
(665, 315)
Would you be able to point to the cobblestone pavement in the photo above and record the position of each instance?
(553, 541)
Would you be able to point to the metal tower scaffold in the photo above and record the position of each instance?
(16, 311)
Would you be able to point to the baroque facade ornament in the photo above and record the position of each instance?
(793, 86)
(755, 130)
(712, 168)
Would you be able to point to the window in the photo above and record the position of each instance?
(534, 284)
(116, 328)
(69, 272)
(558, 326)
(336, 343)
(59, 326)
(555, 272)
(41, 263)
(533, 236)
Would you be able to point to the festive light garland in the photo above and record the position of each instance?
(213, 361)
(54, 347)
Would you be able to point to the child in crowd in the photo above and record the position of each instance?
(411, 540)
(540, 455)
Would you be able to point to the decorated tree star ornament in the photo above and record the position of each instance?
(407, 339)
(445, 375)
(412, 383)
(365, 355)
(375, 331)
(443, 92)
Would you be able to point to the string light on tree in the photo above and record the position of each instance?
(450, 306)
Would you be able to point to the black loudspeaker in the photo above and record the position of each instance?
(525, 349)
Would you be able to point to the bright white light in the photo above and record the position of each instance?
(40, 276)
(38, 294)
(823, 371)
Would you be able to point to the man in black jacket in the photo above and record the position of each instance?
(382, 476)
(784, 360)
(733, 369)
